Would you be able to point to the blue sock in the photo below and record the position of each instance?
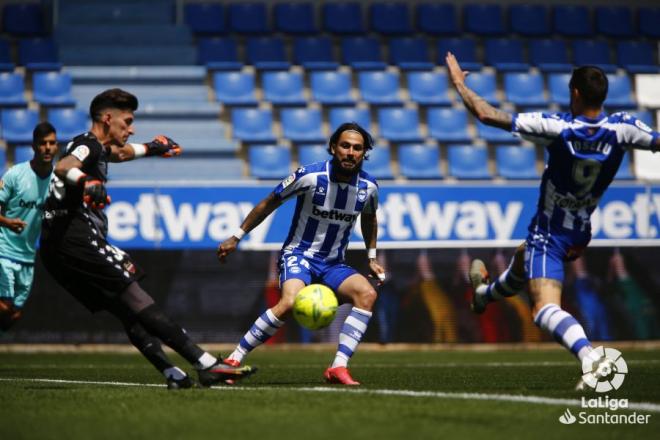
(263, 328)
(565, 329)
(351, 335)
(507, 284)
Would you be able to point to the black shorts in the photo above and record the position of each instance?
(87, 266)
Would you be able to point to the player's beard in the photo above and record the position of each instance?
(336, 166)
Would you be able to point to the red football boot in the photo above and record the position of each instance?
(231, 363)
(339, 375)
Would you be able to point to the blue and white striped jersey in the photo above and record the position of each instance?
(583, 157)
(326, 210)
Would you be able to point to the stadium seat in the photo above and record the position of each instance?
(410, 53)
(295, 18)
(636, 57)
(3, 160)
(6, 62)
(267, 53)
(549, 55)
(448, 124)
(625, 172)
(52, 89)
(529, 20)
(615, 21)
(419, 161)
(525, 89)
(465, 50)
(484, 19)
(619, 94)
(12, 90)
(468, 162)
(284, 88)
(494, 135)
(594, 53)
(248, 18)
(485, 85)
(331, 87)
(558, 88)
(505, 55)
(17, 125)
(390, 18)
(269, 161)
(218, 54)
(572, 21)
(234, 88)
(437, 19)
(38, 54)
(379, 88)
(340, 115)
(516, 162)
(428, 88)
(302, 125)
(378, 163)
(362, 53)
(648, 21)
(253, 125)
(399, 124)
(23, 19)
(314, 53)
(205, 18)
(343, 18)
(23, 153)
(69, 122)
(312, 153)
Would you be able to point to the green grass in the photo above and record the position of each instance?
(280, 401)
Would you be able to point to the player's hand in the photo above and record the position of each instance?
(227, 247)
(94, 193)
(162, 146)
(377, 272)
(456, 74)
(15, 225)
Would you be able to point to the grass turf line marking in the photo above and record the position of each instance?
(512, 398)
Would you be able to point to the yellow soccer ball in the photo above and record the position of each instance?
(315, 306)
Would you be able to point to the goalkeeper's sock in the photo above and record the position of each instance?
(507, 284)
(263, 328)
(564, 328)
(351, 335)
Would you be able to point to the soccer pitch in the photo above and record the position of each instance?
(412, 394)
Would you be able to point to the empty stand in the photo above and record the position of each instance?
(484, 19)
(558, 88)
(218, 54)
(549, 55)
(465, 50)
(410, 53)
(23, 19)
(314, 53)
(253, 125)
(572, 21)
(399, 124)
(248, 18)
(419, 161)
(302, 125)
(343, 18)
(379, 87)
(205, 18)
(428, 88)
(12, 90)
(69, 123)
(308, 154)
(159, 171)
(485, 85)
(468, 162)
(619, 94)
(438, 19)
(52, 89)
(295, 18)
(38, 54)
(614, 21)
(448, 125)
(390, 18)
(331, 88)
(505, 55)
(525, 89)
(17, 125)
(529, 20)
(284, 88)
(516, 162)
(267, 53)
(362, 53)
(269, 161)
(234, 88)
(592, 52)
(340, 115)
(378, 163)
(636, 57)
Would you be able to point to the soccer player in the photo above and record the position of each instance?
(101, 276)
(585, 148)
(330, 196)
(23, 191)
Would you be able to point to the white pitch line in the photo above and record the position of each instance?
(513, 398)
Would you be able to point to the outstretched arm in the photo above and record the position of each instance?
(160, 146)
(369, 224)
(477, 105)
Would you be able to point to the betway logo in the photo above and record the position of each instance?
(334, 215)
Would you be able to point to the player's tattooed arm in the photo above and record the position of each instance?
(477, 105)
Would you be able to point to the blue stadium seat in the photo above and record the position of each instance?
(248, 18)
(362, 53)
(505, 55)
(218, 54)
(378, 163)
(465, 50)
(234, 88)
(284, 88)
(437, 19)
(624, 172)
(525, 89)
(485, 85)
(302, 125)
(3, 160)
(558, 88)
(23, 19)
(340, 115)
(549, 55)
(38, 54)
(419, 161)
(516, 162)
(343, 18)
(69, 122)
(619, 94)
(379, 88)
(428, 88)
(615, 21)
(572, 21)
(23, 153)
(484, 19)
(12, 90)
(204, 136)
(494, 135)
(390, 18)
(314, 53)
(399, 124)
(448, 124)
(648, 21)
(594, 53)
(312, 153)
(410, 53)
(52, 89)
(6, 62)
(253, 125)
(205, 18)
(152, 169)
(18, 124)
(295, 18)
(529, 20)
(636, 57)
(468, 162)
(269, 161)
(267, 53)
(330, 87)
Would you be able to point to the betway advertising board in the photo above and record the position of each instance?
(409, 216)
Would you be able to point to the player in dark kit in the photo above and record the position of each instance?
(101, 276)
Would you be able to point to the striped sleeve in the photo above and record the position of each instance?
(631, 131)
(539, 128)
(295, 183)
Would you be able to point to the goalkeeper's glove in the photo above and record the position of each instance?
(94, 193)
(162, 146)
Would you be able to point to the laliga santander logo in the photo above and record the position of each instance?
(609, 371)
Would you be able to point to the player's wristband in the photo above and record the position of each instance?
(239, 233)
(74, 175)
(371, 253)
(140, 150)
